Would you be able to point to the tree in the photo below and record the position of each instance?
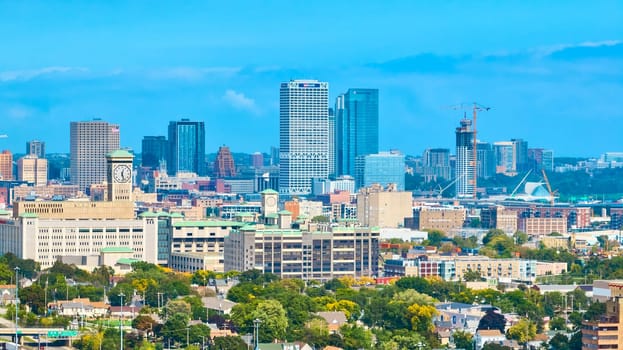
(492, 320)
(320, 219)
(316, 333)
(175, 327)
(594, 311)
(273, 320)
(495, 346)
(355, 337)
(472, 275)
(558, 324)
(520, 237)
(229, 343)
(462, 340)
(523, 331)
(559, 342)
(422, 318)
(435, 237)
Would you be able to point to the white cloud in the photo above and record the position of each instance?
(29, 74)
(19, 112)
(192, 73)
(239, 101)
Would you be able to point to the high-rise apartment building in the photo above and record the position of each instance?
(36, 147)
(436, 164)
(357, 127)
(90, 141)
(257, 160)
(486, 160)
(6, 165)
(33, 169)
(303, 135)
(383, 168)
(504, 158)
(154, 151)
(464, 168)
(332, 144)
(541, 159)
(186, 147)
(224, 165)
(520, 148)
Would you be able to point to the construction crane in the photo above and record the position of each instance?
(475, 108)
(552, 194)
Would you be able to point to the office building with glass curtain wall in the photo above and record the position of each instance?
(186, 147)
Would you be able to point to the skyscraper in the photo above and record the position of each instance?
(224, 165)
(153, 151)
(36, 147)
(186, 147)
(257, 160)
(6, 165)
(332, 143)
(303, 135)
(90, 141)
(357, 127)
(464, 160)
(520, 149)
(541, 159)
(33, 169)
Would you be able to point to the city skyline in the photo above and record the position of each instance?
(541, 67)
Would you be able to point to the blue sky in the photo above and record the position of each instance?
(552, 71)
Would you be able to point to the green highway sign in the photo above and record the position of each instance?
(62, 334)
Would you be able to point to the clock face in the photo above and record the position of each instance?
(270, 201)
(122, 173)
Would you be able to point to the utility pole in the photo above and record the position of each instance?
(121, 295)
(16, 305)
(256, 331)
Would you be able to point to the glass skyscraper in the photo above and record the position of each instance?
(186, 147)
(303, 135)
(153, 151)
(357, 127)
(382, 168)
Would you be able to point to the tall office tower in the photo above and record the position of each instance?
(464, 170)
(486, 160)
(33, 169)
(274, 156)
(383, 168)
(154, 151)
(332, 143)
(224, 165)
(89, 143)
(541, 159)
(6, 165)
(436, 164)
(36, 147)
(257, 160)
(357, 127)
(303, 135)
(520, 149)
(186, 147)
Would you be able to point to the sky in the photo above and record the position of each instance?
(551, 71)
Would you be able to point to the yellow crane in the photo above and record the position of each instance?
(552, 194)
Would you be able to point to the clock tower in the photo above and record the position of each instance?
(119, 169)
(270, 202)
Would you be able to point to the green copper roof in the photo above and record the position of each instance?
(148, 214)
(28, 215)
(285, 212)
(269, 191)
(272, 216)
(208, 223)
(127, 261)
(176, 215)
(163, 213)
(245, 214)
(117, 250)
(4, 212)
(120, 153)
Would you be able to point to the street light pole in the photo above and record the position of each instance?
(121, 295)
(256, 330)
(16, 305)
